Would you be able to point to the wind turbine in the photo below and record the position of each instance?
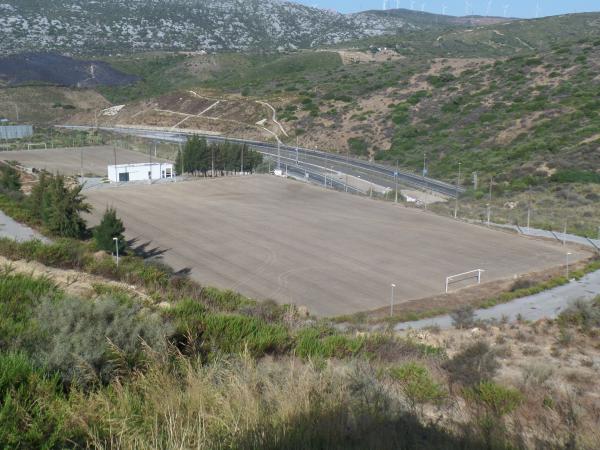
(537, 9)
(444, 8)
(423, 7)
(488, 10)
(412, 4)
(506, 7)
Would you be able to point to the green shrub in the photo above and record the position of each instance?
(496, 399)
(417, 384)
(358, 146)
(491, 403)
(441, 80)
(463, 317)
(10, 179)
(314, 342)
(19, 295)
(33, 412)
(476, 363)
(575, 176)
(584, 314)
(88, 341)
(236, 334)
(110, 227)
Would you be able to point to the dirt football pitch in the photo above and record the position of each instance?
(67, 161)
(271, 238)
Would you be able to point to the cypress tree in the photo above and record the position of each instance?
(110, 227)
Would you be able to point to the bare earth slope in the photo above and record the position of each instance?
(273, 238)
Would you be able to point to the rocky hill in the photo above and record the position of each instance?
(86, 26)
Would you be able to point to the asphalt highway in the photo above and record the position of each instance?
(304, 158)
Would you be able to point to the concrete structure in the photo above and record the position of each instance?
(140, 172)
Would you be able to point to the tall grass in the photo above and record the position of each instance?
(240, 403)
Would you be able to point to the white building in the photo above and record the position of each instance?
(140, 172)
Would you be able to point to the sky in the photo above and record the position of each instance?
(513, 8)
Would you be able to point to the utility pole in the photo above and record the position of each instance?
(392, 300)
(117, 248)
(456, 199)
(396, 182)
(489, 206)
(212, 156)
(182, 160)
(116, 170)
(81, 154)
(242, 165)
(278, 154)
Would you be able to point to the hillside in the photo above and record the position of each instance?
(91, 27)
(140, 357)
(53, 69)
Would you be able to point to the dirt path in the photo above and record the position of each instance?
(274, 118)
(72, 282)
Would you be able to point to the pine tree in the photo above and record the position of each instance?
(110, 227)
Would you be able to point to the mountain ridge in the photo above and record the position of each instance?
(91, 27)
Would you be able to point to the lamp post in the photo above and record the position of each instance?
(392, 300)
(117, 248)
(456, 199)
(396, 182)
(568, 254)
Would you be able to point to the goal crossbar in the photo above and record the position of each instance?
(31, 145)
(474, 273)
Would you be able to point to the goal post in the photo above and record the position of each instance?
(34, 145)
(464, 276)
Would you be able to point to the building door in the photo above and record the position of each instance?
(124, 176)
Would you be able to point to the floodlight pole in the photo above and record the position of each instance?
(456, 199)
(392, 300)
(489, 208)
(278, 154)
(117, 248)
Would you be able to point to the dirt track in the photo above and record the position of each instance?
(335, 253)
(67, 161)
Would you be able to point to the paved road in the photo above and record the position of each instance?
(302, 157)
(14, 230)
(548, 304)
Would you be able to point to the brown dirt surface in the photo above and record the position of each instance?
(67, 161)
(72, 282)
(295, 243)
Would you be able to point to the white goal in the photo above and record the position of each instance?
(37, 145)
(464, 276)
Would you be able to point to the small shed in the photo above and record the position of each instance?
(140, 172)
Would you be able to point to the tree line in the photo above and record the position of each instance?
(198, 157)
